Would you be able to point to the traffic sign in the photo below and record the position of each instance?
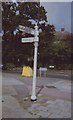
(26, 40)
(26, 29)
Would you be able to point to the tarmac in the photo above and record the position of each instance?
(53, 97)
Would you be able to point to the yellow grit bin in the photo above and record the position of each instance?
(27, 71)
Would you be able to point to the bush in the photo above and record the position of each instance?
(39, 65)
(70, 66)
(64, 67)
(10, 66)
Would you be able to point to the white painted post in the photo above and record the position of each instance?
(33, 96)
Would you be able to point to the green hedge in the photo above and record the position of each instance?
(10, 66)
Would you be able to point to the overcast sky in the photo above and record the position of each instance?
(59, 14)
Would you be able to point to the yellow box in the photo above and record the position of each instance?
(27, 71)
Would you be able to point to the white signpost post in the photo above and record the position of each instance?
(34, 39)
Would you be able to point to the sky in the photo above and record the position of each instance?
(58, 14)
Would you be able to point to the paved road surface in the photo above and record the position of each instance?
(53, 97)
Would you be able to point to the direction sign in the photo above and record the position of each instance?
(26, 29)
(26, 40)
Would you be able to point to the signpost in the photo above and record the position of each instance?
(33, 97)
(34, 39)
(26, 29)
(27, 40)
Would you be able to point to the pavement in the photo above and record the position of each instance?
(53, 97)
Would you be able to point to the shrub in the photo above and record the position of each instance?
(10, 66)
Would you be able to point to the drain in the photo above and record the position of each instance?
(50, 86)
(2, 100)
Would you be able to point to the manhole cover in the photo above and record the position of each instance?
(50, 86)
(2, 100)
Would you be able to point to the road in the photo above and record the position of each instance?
(63, 74)
(53, 97)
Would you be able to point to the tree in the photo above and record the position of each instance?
(12, 16)
(61, 52)
(46, 40)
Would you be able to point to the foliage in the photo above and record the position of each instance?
(14, 15)
(46, 40)
(10, 66)
(61, 52)
(52, 50)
